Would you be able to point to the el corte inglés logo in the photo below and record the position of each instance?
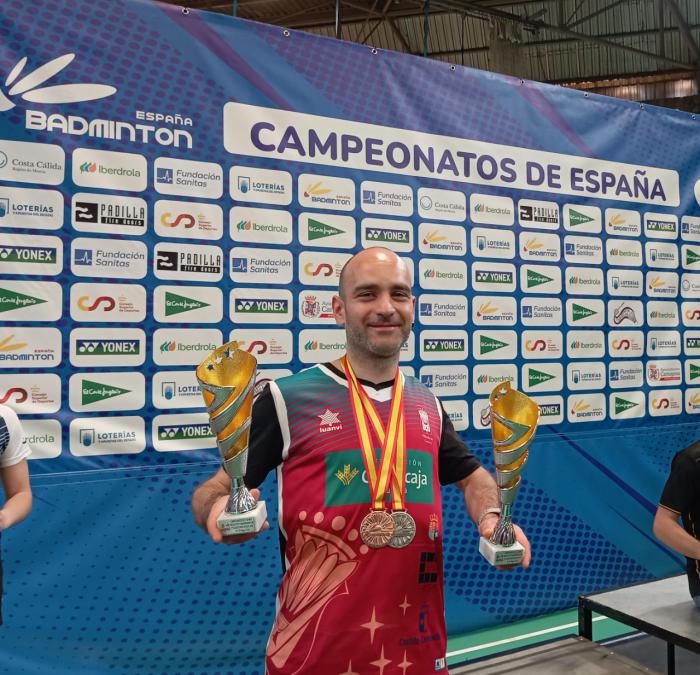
(536, 279)
(694, 372)
(177, 304)
(580, 312)
(488, 344)
(10, 300)
(622, 405)
(578, 218)
(320, 230)
(691, 257)
(96, 391)
(535, 377)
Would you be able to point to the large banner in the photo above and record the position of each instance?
(173, 179)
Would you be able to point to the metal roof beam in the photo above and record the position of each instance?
(592, 15)
(685, 30)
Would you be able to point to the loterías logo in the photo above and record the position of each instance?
(27, 86)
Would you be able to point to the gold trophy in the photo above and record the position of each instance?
(226, 378)
(514, 420)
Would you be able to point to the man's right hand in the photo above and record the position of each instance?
(215, 533)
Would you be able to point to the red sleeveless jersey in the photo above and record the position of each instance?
(342, 607)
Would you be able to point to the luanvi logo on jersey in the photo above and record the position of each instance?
(538, 215)
(28, 86)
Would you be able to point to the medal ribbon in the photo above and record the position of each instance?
(392, 440)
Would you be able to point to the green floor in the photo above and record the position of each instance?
(480, 644)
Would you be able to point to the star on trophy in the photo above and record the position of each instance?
(514, 420)
(226, 378)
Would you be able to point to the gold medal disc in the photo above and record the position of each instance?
(376, 529)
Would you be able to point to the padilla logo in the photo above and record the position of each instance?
(578, 218)
(580, 312)
(10, 300)
(178, 304)
(489, 344)
(63, 93)
(536, 279)
(95, 391)
(537, 377)
(320, 230)
(623, 405)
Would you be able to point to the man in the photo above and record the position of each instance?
(362, 586)
(681, 499)
(14, 474)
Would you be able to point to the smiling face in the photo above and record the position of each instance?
(375, 304)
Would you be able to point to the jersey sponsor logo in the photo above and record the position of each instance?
(491, 209)
(326, 192)
(31, 209)
(181, 432)
(440, 239)
(493, 277)
(627, 405)
(396, 235)
(344, 486)
(660, 226)
(329, 421)
(585, 408)
(386, 198)
(623, 252)
(115, 435)
(623, 222)
(327, 230)
(580, 218)
(587, 250)
(540, 279)
(538, 215)
(442, 204)
(441, 275)
(202, 180)
(665, 402)
(585, 375)
(626, 344)
(104, 169)
(624, 374)
(661, 255)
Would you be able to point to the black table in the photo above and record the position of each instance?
(662, 608)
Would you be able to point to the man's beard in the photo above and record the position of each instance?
(361, 340)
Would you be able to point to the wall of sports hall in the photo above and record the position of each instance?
(170, 180)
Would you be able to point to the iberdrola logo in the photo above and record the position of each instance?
(28, 87)
(623, 405)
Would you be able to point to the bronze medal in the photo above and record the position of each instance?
(376, 529)
(404, 529)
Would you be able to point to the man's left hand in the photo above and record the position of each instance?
(488, 525)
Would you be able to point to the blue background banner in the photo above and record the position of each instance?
(170, 180)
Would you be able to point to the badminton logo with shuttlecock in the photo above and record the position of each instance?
(28, 87)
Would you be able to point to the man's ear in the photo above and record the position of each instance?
(338, 310)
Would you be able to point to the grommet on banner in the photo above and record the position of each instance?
(522, 81)
(585, 95)
(185, 10)
(375, 50)
(641, 106)
(692, 117)
(453, 67)
(286, 33)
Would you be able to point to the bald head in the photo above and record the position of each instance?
(356, 268)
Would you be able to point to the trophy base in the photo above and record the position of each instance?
(499, 555)
(242, 523)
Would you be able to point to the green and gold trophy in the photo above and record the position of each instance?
(226, 378)
(514, 420)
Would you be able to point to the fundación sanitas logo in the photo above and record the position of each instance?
(28, 86)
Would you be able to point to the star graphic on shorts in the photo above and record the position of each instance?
(328, 419)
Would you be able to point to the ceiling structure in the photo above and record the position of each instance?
(643, 50)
